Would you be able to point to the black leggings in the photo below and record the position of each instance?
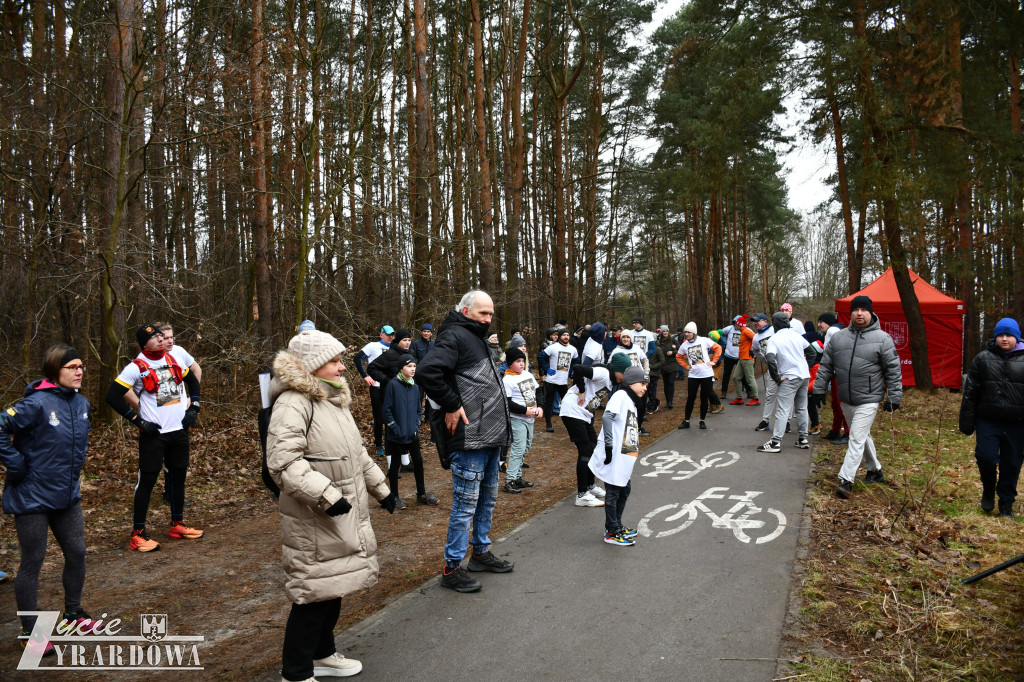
(144, 489)
(706, 388)
(32, 535)
(395, 452)
(727, 366)
(583, 436)
(549, 399)
(668, 380)
(308, 636)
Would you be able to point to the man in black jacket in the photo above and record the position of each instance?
(459, 376)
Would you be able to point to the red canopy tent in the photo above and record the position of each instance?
(943, 323)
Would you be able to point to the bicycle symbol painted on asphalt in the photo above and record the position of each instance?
(744, 518)
(665, 462)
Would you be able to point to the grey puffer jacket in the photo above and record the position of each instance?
(323, 557)
(865, 364)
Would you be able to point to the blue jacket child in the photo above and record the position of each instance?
(402, 410)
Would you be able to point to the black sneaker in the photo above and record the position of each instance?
(831, 435)
(874, 477)
(549, 428)
(510, 487)
(703, 425)
(988, 500)
(763, 426)
(408, 468)
(1006, 509)
(842, 440)
(644, 432)
(488, 562)
(457, 579)
(802, 443)
(771, 446)
(524, 466)
(685, 424)
(669, 406)
(426, 498)
(521, 483)
(844, 489)
(788, 427)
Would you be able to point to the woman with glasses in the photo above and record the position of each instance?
(43, 441)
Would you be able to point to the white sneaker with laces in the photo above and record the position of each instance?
(770, 446)
(596, 491)
(336, 665)
(588, 500)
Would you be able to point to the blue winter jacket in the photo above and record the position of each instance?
(402, 411)
(43, 441)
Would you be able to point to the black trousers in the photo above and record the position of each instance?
(549, 399)
(668, 380)
(376, 402)
(308, 636)
(727, 366)
(706, 388)
(395, 452)
(583, 436)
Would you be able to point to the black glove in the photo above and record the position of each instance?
(390, 502)
(338, 508)
(143, 425)
(890, 406)
(191, 414)
(607, 454)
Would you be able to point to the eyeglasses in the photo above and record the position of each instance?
(74, 368)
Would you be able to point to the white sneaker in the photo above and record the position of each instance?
(336, 665)
(588, 500)
(308, 679)
(596, 491)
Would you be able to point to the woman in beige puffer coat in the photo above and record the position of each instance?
(316, 455)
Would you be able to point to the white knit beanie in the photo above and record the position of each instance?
(690, 327)
(314, 349)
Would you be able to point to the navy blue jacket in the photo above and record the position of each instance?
(43, 441)
(420, 347)
(402, 411)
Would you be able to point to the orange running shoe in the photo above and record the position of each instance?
(180, 530)
(140, 541)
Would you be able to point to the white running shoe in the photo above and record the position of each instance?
(336, 665)
(596, 491)
(588, 500)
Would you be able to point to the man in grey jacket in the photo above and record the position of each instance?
(864, 361)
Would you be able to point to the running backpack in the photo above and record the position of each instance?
(263, 425)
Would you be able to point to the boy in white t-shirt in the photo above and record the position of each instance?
(168, 407)
(592, 385)
(618, 446)
(521, 393)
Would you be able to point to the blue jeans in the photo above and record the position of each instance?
(474, 492)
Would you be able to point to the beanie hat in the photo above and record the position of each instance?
(637, 320)
(1007, 325)
(492, 336)
(513, 354)
(690, 327)
(403, 333)
(741, 320)
(635, 375)
(627, 333)
(786, 308)
(306, 326)
(620, 362)
(663, 328)
(406, 359)
(515, 330)
(861, 302)
(827, 318)
(714, 335)
(517, 342)
(427, 327)
(314, 349)
(144, 333)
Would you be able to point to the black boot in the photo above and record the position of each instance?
(1006, 509)
(988, 499)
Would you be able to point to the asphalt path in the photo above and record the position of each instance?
(701, 596)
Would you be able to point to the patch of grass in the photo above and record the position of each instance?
(891, 558)
(409, 575)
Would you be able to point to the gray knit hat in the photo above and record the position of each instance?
(634, 375)
(314, 349)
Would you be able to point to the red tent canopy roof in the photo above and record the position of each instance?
(885, 299)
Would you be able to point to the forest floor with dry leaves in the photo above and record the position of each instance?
(877, 593)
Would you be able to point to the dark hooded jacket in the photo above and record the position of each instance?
(43, 441)
(993, 387)
(459, 373)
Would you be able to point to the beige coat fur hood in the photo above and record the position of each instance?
(323, 557)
